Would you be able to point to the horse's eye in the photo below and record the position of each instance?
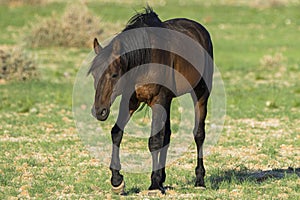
(114, 75)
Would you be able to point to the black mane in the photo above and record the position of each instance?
(148, 18)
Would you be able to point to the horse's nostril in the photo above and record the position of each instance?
(103, 112)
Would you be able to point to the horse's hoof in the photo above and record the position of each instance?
(155, 193)
(200, 185)
(119, 189)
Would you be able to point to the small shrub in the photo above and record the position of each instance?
(22, 2)
(16, 65)
(75, 28)
(272, 60)
(269, 3)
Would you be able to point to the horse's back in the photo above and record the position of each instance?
(194, 30)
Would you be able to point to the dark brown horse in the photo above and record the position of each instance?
(164, 60)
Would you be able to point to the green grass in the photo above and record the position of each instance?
(43, 157)
(14, 18)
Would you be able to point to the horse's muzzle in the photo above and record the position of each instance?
(100, 114)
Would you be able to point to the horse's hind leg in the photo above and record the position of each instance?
(199, 135)
(116, 135)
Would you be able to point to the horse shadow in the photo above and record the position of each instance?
(234, 176)
(258, 176)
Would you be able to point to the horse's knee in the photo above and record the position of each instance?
(115, 129)
(155, 143)
(199, 132)
(116, 135)
(199, 138)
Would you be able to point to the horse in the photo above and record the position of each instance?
(164, 75)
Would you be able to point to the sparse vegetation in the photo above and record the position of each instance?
(15, 3)
(16, 64)
(75, 28)
(257, 156)
(272, 60)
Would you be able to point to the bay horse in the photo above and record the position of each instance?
(165, 75)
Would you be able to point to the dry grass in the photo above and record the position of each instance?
(275, 60)
(270, 3)
(75, 28)
(260, 4)
(254, 3)
(15, 64)
(17, 3)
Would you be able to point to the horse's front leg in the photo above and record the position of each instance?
(117, 180)
(115, 166)
(159, 141)
(166, 143)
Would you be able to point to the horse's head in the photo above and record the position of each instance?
(107, 68)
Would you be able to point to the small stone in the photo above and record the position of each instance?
(33, 110)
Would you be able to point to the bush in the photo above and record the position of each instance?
(276, 60)
(16, 65)
(22, 2)
(75, 28)
(270, 3)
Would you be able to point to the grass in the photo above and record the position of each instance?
(10, 25)
(257, 155)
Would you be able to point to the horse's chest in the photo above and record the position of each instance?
(145, 93)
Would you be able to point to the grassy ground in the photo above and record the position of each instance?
(257, 155)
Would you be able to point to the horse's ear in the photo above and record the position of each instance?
(97, 47)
